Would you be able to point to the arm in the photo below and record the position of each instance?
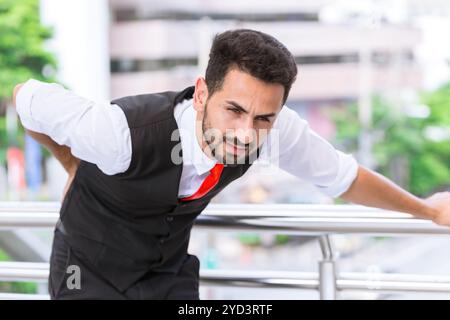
(308, 156)
(73, 127)
(61, 153)
(374, 190)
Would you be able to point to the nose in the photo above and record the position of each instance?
(246, 133)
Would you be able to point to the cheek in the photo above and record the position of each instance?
(222, 121)
(261, 134)
(227, 116)
(262, 126)
(214, 127)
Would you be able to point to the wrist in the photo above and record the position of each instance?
(71, 165)
(429, 212)
(68, 161)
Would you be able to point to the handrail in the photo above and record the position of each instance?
(310, 220)
(289, 219)
(23, 271)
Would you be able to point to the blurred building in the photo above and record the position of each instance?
(164, 46)
(345, 51)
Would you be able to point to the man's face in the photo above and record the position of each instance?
(234, 121)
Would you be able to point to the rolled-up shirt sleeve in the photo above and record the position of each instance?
(23, 104)
(297, 149)
(95, 132)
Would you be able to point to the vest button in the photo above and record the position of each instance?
(169, 218)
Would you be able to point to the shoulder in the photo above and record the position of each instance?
(144, 109)
(147, 109)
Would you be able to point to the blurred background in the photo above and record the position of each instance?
(374, 79)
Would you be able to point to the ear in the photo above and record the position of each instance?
(200, 94)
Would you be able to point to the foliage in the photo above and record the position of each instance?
(22, 56)
(402, 149)
(22, 52)
(16, 287)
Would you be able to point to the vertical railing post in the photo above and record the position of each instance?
(327, 270)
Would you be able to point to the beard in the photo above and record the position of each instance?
(216, 141)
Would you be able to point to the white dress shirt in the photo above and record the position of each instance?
(99, 133)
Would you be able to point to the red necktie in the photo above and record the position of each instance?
(209, 183)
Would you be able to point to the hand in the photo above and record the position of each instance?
(440, 205)
(62, 153)
(71, 167)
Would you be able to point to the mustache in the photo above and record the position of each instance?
(214, 141)
(235, 141)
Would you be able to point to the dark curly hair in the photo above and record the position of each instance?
(254, 52)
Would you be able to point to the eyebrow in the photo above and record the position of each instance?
(242, 109)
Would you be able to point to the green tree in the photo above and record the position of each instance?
(19, 287)
(402, 149)
(22, 53)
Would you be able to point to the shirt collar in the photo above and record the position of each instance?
(192, 152)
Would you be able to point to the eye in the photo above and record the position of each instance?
(264, 119)
(237, 111)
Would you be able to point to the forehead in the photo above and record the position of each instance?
(247, 90)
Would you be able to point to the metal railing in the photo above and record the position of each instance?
(309, 220)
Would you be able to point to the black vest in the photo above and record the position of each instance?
(128, 224)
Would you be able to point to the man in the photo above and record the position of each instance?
(134, 189)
